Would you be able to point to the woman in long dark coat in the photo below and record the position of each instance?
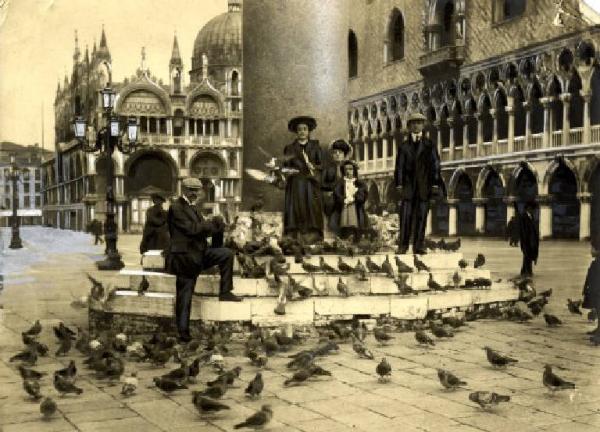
(591, 287)
(303, 211)
(156, 229)
(349, 215)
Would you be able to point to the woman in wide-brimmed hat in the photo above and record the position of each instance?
(303, 214)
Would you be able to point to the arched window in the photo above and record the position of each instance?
(352, 55)
(235, 79)
(396, 36)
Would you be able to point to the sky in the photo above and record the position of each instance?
(37, 39)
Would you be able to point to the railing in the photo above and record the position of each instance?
(502, 146)
(595, 134)
(471, 151)
(389, 163)
(151, 138)
(537, 140)
(458, 152)
(486, 148)
(378, 164)
(370, 165)
(202, 140)
(576, 136)
(445, 154)
(556, 139)
(518, 144)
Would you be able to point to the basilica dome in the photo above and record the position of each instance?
(220, 39)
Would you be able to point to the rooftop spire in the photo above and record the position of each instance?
(76, 53)
(175, 55)
(103, 52)
(103, 39)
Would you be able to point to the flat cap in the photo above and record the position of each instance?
(191, 183)
(416, 116)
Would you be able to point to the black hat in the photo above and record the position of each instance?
(342, 145)
(157, 197)
(307, 120)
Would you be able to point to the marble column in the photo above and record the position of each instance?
(494, 114)
(479, 149)
(527, 110)
(546, 101)
(585, 215)
(452, 217)
(510, 146)
(587, 137)
(566, 126)
(545, 202)
(311, 77)
(438, 128)
(451, 139)
(429, 226)
(479, 215)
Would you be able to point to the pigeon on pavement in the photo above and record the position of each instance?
(342, 288)
(496, 359)
(386, 267)
(256, 386)
(553, 382)
(381, 336)
(298, 377)
(64, 386)
(31, 374)
(362, 350)
(423, 339)
(401, 267)
(384, 370)
(372, 266)
(47, 408)
(479, 261)
(69, 372)
(420, 265)
(449, 380)
(552, 321)
(206, 405)
(28, 356)
(487, 400)
(32, 388)
(35, 329)
(574, 306)
(168, 385)
(440, 331)
(257, 420)
(130, 385)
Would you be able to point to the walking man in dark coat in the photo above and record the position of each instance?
(529, 238)
(303, 209)
(156, 230)
(417, 179)
(188, 253)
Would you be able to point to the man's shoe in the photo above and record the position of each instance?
(229, 297)
(401, 251)
(421, 251)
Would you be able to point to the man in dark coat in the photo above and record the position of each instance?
(188, 253)
(417, 179)
(529, 238)
(303, 210)
(591, 287)
(349, 216)
(96, 230)
(156, 230)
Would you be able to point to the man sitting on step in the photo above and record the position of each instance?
(188, 253)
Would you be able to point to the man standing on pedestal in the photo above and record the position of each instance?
(417, 179)
(188, 253)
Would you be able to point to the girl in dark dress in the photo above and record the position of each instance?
(303, 210)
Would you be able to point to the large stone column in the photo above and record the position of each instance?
(295, 63)
(480, 215)
(584, 215)
(452, 217)
(545, 203)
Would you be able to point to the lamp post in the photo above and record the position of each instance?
(13, 174)
(105, 141)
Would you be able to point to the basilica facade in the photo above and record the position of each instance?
(511, 91)
(190, 126)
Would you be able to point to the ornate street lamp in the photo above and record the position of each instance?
(14, 173)
(104, 141)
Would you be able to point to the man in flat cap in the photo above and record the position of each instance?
(188, 253)
(156, 230)
(417, 179)
(303, 214)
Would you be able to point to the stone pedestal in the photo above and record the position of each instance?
(295, 65)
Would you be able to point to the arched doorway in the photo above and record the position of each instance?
(495, 207)
(147, 173)
(565, 205)
(465, 206)
(594, 188)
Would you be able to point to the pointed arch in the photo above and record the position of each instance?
(395, 36)
(352, 54)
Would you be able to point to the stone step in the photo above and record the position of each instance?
(260, 310)
(436, 261)
(376, 283)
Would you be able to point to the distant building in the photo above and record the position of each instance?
(186, 130)
(29, 160)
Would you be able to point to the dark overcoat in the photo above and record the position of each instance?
(529, 236)
(188, 231)
(360, 198)
(591, 287)
(303, 209)
(156, 230)
(417, 169)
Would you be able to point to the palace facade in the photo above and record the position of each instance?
(511, 90)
